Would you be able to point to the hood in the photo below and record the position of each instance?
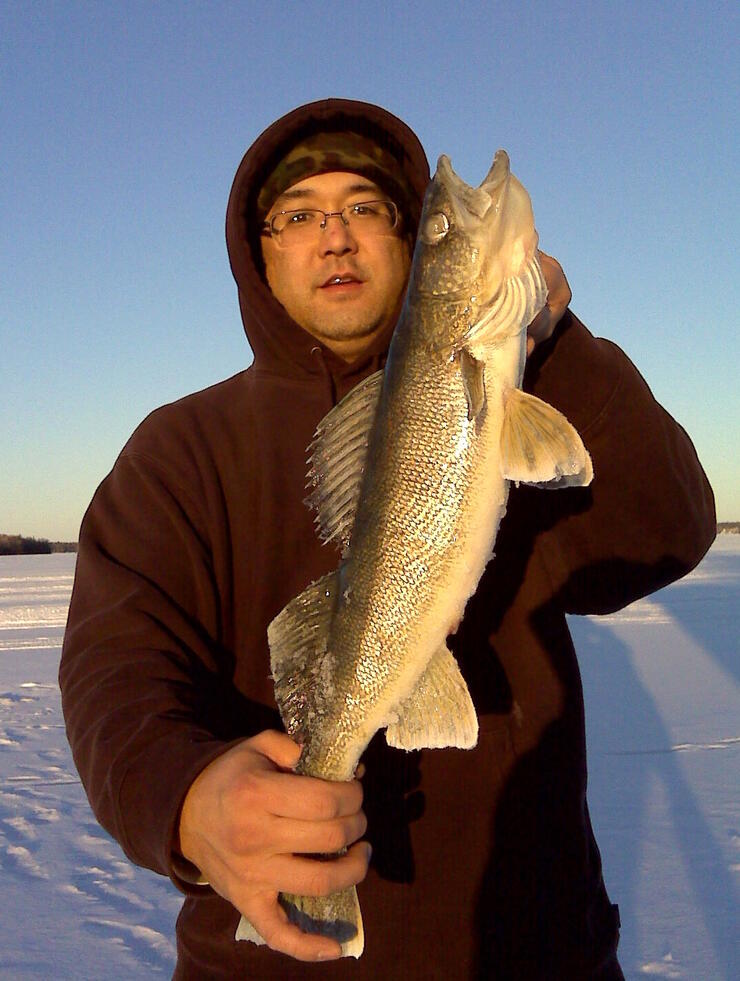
(278, 343)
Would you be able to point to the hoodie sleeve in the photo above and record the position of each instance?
(141, 656)
(648, 516)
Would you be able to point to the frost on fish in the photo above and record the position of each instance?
(409, 475)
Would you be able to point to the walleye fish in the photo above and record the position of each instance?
(410, 473)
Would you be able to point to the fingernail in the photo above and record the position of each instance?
(328, 955)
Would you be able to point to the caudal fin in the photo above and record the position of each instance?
(337, 916)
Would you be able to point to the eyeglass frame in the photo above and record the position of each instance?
(275, 235)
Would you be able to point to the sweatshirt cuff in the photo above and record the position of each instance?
(151, 796)
(185, 871)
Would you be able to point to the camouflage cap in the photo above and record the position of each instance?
(321, 153)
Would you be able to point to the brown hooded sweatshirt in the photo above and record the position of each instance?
(484, 863)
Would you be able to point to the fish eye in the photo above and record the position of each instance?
(435, 228)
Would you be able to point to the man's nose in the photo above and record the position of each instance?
(336, 237)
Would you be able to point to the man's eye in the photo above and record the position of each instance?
(364, 210)
(301, 217)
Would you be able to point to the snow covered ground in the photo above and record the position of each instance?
(661, 680)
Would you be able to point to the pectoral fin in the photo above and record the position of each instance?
(439, 711)
(539, 446)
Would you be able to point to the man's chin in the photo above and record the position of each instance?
(353, 340)
(338, 328)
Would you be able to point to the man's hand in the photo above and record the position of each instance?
(558, 297)
(248, 824)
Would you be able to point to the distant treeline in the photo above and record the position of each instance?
(728, 528)
(20, 545)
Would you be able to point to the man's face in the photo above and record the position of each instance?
(347, 316)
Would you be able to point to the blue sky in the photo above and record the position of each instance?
(123, 123)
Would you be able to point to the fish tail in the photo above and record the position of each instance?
(245, 931)
(337, 916)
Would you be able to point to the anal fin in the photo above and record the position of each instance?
(439, 711)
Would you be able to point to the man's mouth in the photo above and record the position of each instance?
(340, 281)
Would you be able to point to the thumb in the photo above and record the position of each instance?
(277, 747)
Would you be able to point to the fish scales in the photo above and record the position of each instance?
(409, 542)
(410, 473)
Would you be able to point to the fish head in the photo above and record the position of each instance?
(447, 258)
(470, 240)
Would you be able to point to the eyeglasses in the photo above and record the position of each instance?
(302, 226)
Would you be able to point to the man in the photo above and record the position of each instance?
(483, 862)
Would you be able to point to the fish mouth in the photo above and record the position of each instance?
(476, 201)
(473, 204)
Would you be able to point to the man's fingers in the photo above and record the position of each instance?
(277, 747)
(558, 287)
(251, 824)
(271, 922)
(558, 297)
(303, 877)
(317, 837)
(316, 877)
(308, 798)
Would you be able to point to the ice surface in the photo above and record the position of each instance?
(73, 908)
(661, 685)
(661, 682)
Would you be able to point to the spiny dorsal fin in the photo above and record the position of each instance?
(539, 446)
(298, 653)
(439, 711)
(337, 460)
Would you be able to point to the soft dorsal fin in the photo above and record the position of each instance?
(439, 711)
(539, 446)
(298, 638)
(337, 460)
